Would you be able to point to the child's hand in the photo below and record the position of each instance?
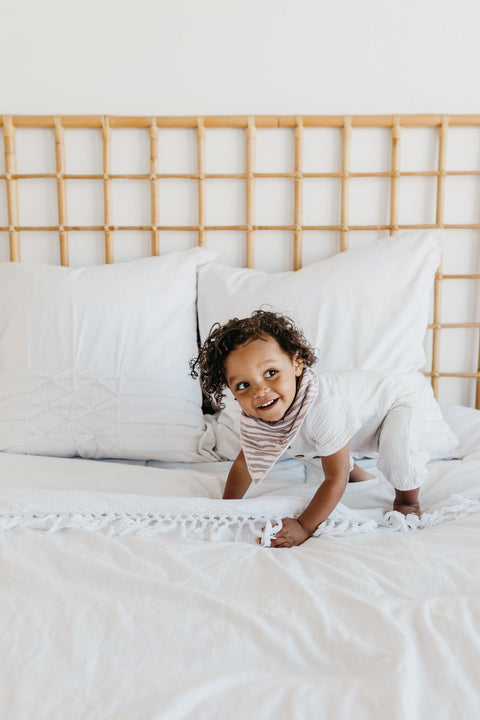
(292, 533)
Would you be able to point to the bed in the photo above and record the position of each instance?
(129, 589)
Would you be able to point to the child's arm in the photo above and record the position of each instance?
(238, 479)
(336, 468)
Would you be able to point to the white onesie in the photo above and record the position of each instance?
(372, 413)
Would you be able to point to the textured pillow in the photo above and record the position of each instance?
(366, 309)
(95, 361)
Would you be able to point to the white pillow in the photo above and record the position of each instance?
(366, 309)
(95, 361)
(363, 309)
(466, 423)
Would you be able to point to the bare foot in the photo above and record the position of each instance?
(357, 474)
(406, 502)
(408, 509)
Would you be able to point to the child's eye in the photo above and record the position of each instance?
(242, 386)
(271, 373)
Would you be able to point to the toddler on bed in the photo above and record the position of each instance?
(287, 410)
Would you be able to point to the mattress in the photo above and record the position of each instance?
(117, 602)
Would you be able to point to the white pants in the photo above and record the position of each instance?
(400, 458)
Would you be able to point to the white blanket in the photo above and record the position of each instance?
(50, 494)
(127, 623)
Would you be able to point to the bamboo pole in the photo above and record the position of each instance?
(154, 213)
(472, 276)
(298, 200)
(239, 176)
(12, 189)
(437, 289)
(250, 189)
(456, 375)
(242, 228)
(395, 175)
(201, 181)
(107, 190)
(346, 142)
(458, 325)
(241, 121)
(61, 191)
(477, 384)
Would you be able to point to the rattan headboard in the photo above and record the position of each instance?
(343, 227)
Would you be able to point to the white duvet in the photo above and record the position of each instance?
(134, 613)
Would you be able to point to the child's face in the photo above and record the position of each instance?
(263, 378)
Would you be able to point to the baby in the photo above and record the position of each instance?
(287, 410)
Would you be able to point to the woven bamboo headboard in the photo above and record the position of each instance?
(301, 171)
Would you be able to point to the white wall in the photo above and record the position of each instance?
(249, 56)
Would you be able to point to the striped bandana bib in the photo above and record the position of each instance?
(263, 442)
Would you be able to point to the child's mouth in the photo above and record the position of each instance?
(268, 405)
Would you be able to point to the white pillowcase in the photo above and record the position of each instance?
(466, 423)
(366, 309)
(363, 309)
(95, 361)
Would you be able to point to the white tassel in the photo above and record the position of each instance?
(237, 528)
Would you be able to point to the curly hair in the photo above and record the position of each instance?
(222, 339)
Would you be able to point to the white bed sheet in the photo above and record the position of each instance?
(100, 624)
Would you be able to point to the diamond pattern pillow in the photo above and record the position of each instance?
(95, 361)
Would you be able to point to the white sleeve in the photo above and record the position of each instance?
(331, 424)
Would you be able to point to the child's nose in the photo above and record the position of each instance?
(260, 389)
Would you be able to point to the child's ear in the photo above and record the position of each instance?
(298, 365)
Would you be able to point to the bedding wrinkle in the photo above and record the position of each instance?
(423, 578)
(236, 617)
(449, 627)
(201, 698)
(236, 611)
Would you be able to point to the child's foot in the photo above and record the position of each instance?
(408, 509)
(357, 474)
(406, 502)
